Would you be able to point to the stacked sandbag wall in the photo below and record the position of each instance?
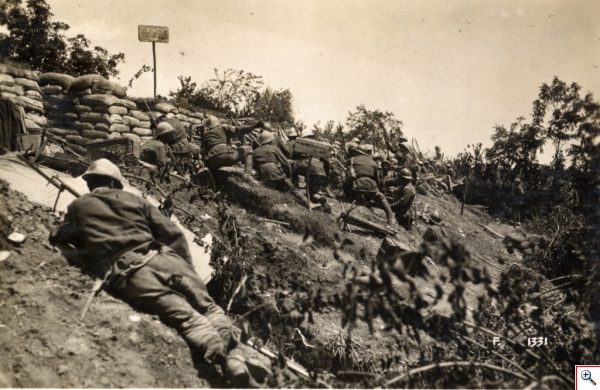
(90, 108)
(20, 85)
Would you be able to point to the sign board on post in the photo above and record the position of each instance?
(153, 34)
(312, 148)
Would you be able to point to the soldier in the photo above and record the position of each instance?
(268, 160)
(155, 152)
(318, 173)
(281, 144)
(518, 194)
(217, 151)
(404, 197)
(184, 153)
(145, 261)
(363, 178)
(435, 231)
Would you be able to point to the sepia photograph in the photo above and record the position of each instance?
(300, 194)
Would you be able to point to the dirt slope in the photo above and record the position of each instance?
(43, 343)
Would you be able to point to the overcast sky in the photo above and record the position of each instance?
(450, 70)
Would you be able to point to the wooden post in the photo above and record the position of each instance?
(308, 182)
(154, 57)
(465, 188)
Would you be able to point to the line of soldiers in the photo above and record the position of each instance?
(366, 175)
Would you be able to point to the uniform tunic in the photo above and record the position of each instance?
(434, 233)
(366, 172)
(404, 199)
(154, 152)
(267, 159)
(116, 227)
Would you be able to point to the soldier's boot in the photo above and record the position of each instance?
(248, 178)
(391, 220)
(300, 196)
(323, 201)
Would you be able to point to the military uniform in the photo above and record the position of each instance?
(149, 263)
(434, 233)
(154, 152)
(218, 153)
(401, 206)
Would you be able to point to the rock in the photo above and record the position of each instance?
(516, 241)
(62, 369)
(4, 255)
(16, 238)
(134, 338)
(134, 318)
(76, 346)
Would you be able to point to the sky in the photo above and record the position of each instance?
(449, 70)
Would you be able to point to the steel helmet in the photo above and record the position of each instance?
(211, 121)
(365, 149)
(403, 147)
(406, 174)
(355, 140)
(517, 180)
(104, 167)
(376, 155)
(386, 162)
(291, 133)
(267, 126)
(163, 128)
(435, 217)
(351, 146)
(307, 133)
(393, 161)
(265, 137)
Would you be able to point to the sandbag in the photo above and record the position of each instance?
(77, 140)
(94, 134)
(82, 83)
(145, 124)
(64, 80)
(28, 104)
(35, 95)
(137, 114)
(28, 85)
(114, 135)
(8, 95)
(79, 108)
(183, 118)
(127, 104)
(101, 127)
(31, 125)
(99, 100)
(117, 110)
(146, 139)
(184, 111)
(170, 115)
(7, 79)
(116, 118)
(130, 121)
(134, 137)
(15, 89)
(40, 120)
(60, 99)
(52, 89)
(78, 148)
(119, 128)
(11, 70)
(142, 132)
(166, 108)
(83, 126)
(70, 117)
(61, 132)
(94, 117)
(108, 87)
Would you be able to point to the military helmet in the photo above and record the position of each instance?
(393, 161)
(435, 217)
(386, 162)
(163, 128)
(265, 137)
(377, 156)
(103, 167)
(211, 121)
(365, 149)
(351, 146)
(517, 180)
(307, 133)
(267, 126)
(356, 140)
(406, 174)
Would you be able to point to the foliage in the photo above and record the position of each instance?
(38, 41)
(330, 132)
(374, 127)
(274, 106)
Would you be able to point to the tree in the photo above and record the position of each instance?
(374, 126)
(234, 93)
(39, 42)
(274, 106)
(187, 89)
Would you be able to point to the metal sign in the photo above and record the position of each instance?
(312, 148)
(153, 34)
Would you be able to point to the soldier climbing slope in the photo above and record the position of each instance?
(269, 160)
(155, 152)
(145, 261)
(363, 179)
(217, 151)
(404, 197)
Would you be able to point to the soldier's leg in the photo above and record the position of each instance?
(150, 290)
(386, 207)
(295, 191)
